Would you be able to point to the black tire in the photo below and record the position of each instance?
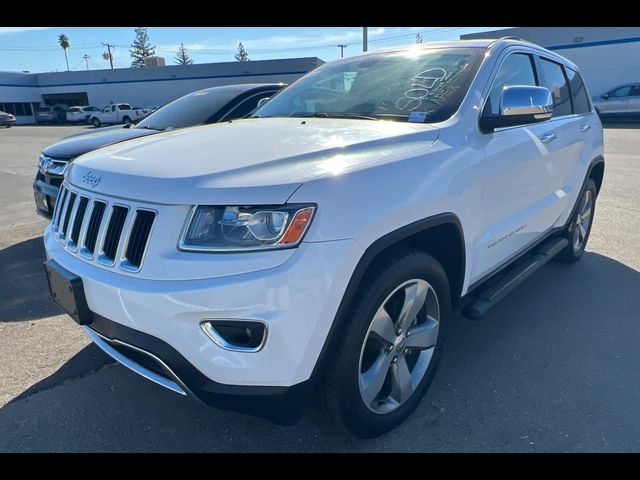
(96, 122)
(571, 253)
(339, 395)
(126, 120)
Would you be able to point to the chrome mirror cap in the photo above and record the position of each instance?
(526, 100)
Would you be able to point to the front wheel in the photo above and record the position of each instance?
(388, 352)
(580, 224)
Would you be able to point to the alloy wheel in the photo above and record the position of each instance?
(398, 346)
(583, 221)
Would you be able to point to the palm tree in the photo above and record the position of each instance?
(63, 40)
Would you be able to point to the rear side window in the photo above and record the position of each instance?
(554, 79)
(247, 106)
(578, 92)
(517, 69)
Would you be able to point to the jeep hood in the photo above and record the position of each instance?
(261, 160)
(82, 143)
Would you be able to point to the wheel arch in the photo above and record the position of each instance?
(434, 235)
(596, 172)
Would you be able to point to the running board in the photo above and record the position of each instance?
(513, 275)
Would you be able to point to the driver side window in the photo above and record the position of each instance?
(517, 69)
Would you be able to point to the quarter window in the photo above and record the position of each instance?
(578, 92)
(555, 80)
(517, 69)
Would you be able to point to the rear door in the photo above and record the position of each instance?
(633, 104)
(569, 131)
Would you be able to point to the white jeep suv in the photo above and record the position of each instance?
(317, 249)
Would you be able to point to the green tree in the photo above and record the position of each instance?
(141, 48)
(241, 54)
(63, 41)
(182, 57)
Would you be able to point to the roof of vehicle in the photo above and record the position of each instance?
(622, 85)
(241, 87)
(488, 43)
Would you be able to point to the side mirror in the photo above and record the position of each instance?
(605, 96)
(262, 101)
(520, 105)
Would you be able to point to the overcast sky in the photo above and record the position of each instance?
(36, 49)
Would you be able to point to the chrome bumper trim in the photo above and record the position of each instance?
(176, 386)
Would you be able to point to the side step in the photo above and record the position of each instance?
(498, 287)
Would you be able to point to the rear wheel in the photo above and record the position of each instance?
(580, 224)
(388, 353)
(96, 122)
(126, 120)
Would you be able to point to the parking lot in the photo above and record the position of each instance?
(554, 367)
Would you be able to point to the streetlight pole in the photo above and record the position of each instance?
(365, 39)
(341, 46)
(86, 60)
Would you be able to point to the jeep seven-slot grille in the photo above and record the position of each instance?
(114, 231)
(94, 225)
(67, 214)
(139, 236)
(77, 223)
(103, 231)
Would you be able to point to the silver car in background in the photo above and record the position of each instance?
(619, 102)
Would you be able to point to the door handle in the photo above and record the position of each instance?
(548, 137)
(585, 127)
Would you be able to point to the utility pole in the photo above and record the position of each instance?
(109, 46)
(86, 60)
(341, 46)
(365, 39)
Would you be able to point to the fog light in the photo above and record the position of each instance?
(236, 335)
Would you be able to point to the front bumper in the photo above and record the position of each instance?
(297, 299)
(160, 363)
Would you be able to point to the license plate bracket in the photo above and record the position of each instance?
(67, 291)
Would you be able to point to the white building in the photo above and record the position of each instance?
(607, 56)
(21, 93)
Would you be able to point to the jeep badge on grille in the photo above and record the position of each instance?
(91, 179)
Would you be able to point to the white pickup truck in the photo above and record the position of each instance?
(316, 249)
(118, 113)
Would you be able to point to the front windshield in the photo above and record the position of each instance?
(192, 109)
(416, 85)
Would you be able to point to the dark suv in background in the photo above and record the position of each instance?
(211, 105)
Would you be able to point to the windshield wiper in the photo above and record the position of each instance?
(356, 116)
(154, 128)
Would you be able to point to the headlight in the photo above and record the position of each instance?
(233, 229)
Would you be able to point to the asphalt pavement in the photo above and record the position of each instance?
(554, 367)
